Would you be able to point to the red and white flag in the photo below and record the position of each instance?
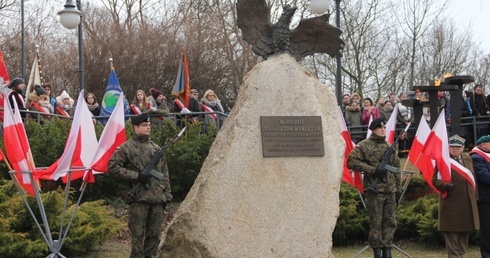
(114, 134)
(436, 147)
(391, 126)
(4, 75)
(2, 156)
(17, 146)
(80, 146)
(348, 175)
(369, 132)
(418, 159)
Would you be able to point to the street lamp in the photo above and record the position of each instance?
(71, 17)
(320, 7)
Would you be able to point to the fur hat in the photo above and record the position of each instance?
(377, 123)
(39, 90)
(136, 120)
(155, 93)
(16, 81)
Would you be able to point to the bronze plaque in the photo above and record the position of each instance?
(292, 136)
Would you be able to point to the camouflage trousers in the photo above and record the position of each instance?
(381, 211)
(145, 223)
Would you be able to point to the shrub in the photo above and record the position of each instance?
(185, 158)
(20, 237)
(417, 220)
(352, 224)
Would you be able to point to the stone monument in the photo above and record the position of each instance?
(270, 184)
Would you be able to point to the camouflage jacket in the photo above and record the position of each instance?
(367, 155)
(130, 159)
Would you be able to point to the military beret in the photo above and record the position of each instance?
(377, 123)
(484, 138)
(456, 141)
(136, 120)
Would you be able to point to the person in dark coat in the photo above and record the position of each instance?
(458, 212)
(386, 110)
(480, 109)
(194, 106)
(481, 162)
(353, 118)
(92, 104)
(17, 85)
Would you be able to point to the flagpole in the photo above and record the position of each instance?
(416, 161)
(9, 167)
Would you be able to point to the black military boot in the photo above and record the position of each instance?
(387, 252)
(378, 252)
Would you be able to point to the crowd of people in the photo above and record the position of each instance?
(359, 112)
(44, 104)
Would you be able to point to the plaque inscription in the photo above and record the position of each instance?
(292, 136)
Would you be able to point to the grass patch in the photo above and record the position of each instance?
(414, 249)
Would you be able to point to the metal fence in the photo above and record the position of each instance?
(204, 117)
(472, 128)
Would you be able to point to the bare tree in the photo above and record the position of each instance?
(387, 50)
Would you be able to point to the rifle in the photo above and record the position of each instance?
(383, 164)
(149, 168)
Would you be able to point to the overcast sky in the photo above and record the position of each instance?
(474, 13)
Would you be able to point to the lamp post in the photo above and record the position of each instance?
(22, 42)
(320, 7)
(70, 17)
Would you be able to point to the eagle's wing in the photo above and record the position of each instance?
(315, 35)
(253, 19)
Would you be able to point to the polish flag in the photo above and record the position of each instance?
(114, 134)
(436, 147)
(17, 146)
(2, 156)
(369, 132)
(80, 146)
(349, 176)
(391, 126)
(418, 159)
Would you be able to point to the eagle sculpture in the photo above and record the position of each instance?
(312, 35)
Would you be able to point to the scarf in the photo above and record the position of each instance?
(215, 105)
(93, 106)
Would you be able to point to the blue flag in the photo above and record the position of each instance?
(112, 92)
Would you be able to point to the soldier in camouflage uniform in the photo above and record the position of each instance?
(382, 187)
(146, 206)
